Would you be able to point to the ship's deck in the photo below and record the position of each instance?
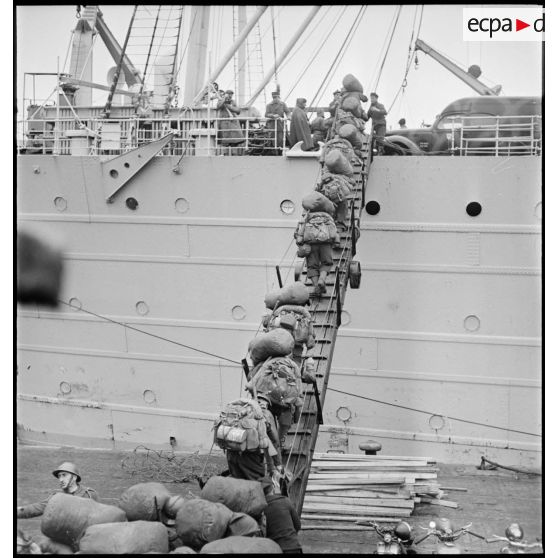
(492, 501)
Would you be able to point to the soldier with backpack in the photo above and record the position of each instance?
(337, 188)
(279, 380)
(242, 431)
(315, 235)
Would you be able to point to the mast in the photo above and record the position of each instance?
(241, 93)
(284, 54)
(230, 53)
(197, 52)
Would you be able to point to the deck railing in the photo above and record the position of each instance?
(199, 136)
(496, 135)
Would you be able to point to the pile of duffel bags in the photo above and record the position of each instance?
(326, 208)
(351, 116)
(227, 518)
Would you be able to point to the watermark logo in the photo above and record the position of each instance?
(503, 24)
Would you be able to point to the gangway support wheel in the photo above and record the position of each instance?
(354, 274)
(299, 266)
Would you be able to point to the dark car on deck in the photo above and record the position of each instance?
(471, 119)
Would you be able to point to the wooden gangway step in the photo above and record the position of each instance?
(302, 436)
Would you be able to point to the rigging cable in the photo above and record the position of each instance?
(369, 86)
(339, 56)
(274, 45)
(330, 388)
(414, 37)
(144, 76)
(387, 49)
(319, 48)
(147, 332)
(436, 414)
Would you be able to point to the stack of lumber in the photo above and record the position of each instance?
(345, 488)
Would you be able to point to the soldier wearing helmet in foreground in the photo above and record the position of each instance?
(69, 478)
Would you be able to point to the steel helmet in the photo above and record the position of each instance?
(514, 532)
(67, 467)
(403, 531)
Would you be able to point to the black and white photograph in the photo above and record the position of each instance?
(278, 279)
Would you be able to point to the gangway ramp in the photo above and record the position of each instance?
(326, 312)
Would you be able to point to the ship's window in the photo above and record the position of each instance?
(127, 165)
(132, 203)
(474, 209)
(113, 173)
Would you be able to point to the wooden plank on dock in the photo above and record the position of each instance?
(376, 502)
(355, 510)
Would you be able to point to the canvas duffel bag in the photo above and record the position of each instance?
(242, 545)
(238, 495)
(144, 501)
(132, 537)
(199, 522)
(295, 293)
(66, 517)
(315, 201)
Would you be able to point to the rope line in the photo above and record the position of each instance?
(148, 333)
(387, 49)
(433, 413)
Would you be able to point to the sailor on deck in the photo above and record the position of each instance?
(300, 129)
(378, 112)
(69, 478)
(276, 111)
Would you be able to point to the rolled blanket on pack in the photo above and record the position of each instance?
(238, 495)
(133, 537)
(242, 525)
(336, 162)
(144, 501)
(66, 517)
(351, 134)
(295, 293)
(199, 521)
(335, 187)
(275, 343)
(351, 83)
(315, 201)
(344, 117)
(242, 545)
(342, 145)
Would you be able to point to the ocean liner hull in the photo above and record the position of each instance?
(441, 344)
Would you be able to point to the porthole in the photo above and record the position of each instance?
(473, 209)
(75, 303)
(182, 205)
(113, 173)
(141, 308)
(372, 207)
(287, 207)
(65, 388)
(471, 323)
(60, 203)
(132, 203)
(238, 312)
(149, 396)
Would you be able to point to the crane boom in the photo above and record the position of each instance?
(470, 80)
